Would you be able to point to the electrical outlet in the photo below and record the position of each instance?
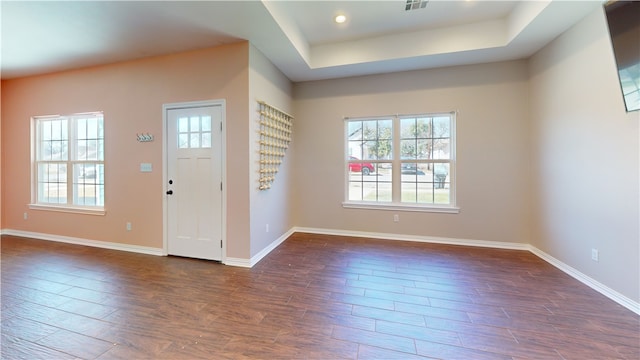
(396, 218)
(25, 216)
(128, 226)
(595, 255)
(266, 228)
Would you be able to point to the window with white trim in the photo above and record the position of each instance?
(404, 161)
(68, 170)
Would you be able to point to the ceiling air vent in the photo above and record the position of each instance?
(415, 4)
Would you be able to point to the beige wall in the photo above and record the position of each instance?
(546, 154)
(131, 94)
(585, 158)
(271, 207)
(492, 149)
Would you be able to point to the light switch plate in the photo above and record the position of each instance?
(146, 167)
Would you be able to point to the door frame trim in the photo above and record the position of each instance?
(223, 136)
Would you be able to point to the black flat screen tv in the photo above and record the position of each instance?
(623, 18)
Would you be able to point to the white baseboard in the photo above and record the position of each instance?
(416, 238)
(248, 263)
(257, 257)
(590, 282)
(86, 242)
(239, 262)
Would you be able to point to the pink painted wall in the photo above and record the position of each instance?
(1, 156)
(131, 95)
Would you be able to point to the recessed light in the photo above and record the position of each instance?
(340, 19)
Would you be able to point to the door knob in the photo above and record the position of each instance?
(170, 192)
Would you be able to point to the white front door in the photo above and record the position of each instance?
(194, 181)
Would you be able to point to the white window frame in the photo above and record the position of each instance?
(396, 164)
(70, 161)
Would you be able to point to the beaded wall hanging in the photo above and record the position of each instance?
(275, 136)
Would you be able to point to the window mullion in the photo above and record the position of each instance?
(71, 150)
(396, 172)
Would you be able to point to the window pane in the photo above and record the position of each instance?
(384, 192)
(408, 170)
(407, 128)
(440, 173)
(421, 181)
(92, 128)
(100, 127)
(88, 184)
(423, 128)
(45, 150)
(370, 182)
(369, 191)
(354, 130)
(369, 129)
(377, 186)
(424, 193)
(89, 140)
(63, 148)
(369, 150)
(56, 130)
(424, 149)
(45, 130)
(81, 150)
(441, 149)
(53, 144)
(408, 149)
(424, 140)
(408, 192)
(385, 150)
(206, 140)
(441, 196)
(92, 149)
(52, 183)
(355, 149)
(195, 124)
(183, 141)
(183, 125)
(100, 153)
(81, 128)
(355, 191)
(441, 127)
(385, 129)
(206, 123)
(195, 140)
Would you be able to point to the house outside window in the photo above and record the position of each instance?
(68, 169)
(401, 162)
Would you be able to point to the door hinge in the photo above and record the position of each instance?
(221, 126)
(220, 244)
(220, 186)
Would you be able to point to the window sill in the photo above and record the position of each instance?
(402, 207)
(69, 209)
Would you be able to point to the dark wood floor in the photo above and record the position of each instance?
(314, 297)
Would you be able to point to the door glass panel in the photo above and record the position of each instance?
(206, 140)
(195, 140)
(194, 132)
(183, 125)
(195, 123)
(183, 141)
(206, 123)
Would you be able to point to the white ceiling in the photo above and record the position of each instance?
(299, 37)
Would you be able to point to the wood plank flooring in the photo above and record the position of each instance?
(314, 297)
